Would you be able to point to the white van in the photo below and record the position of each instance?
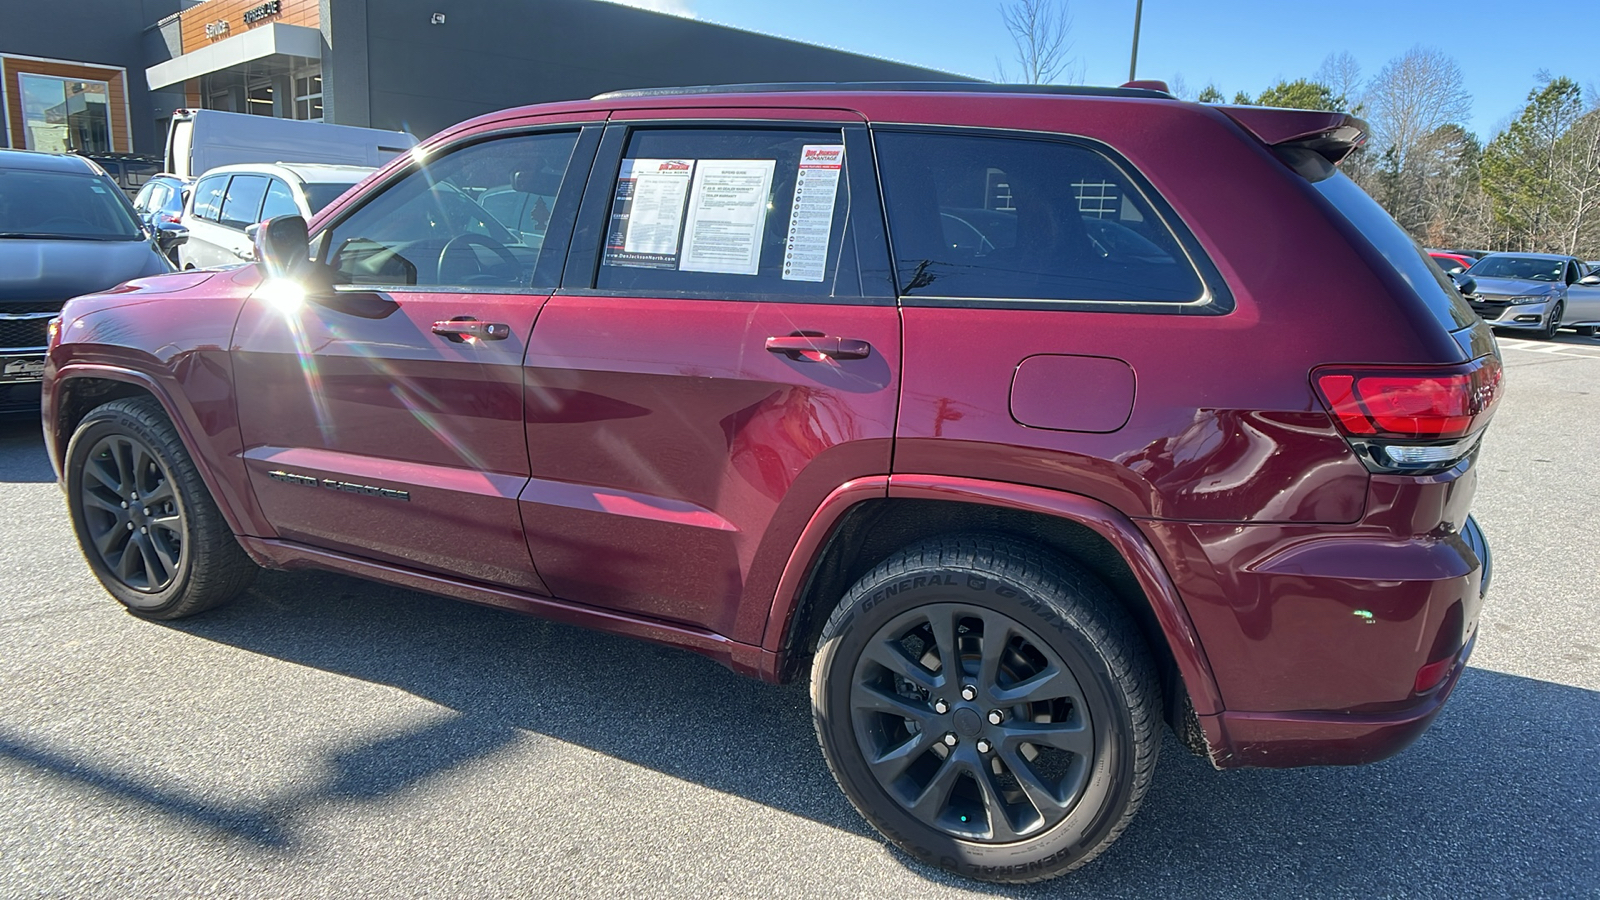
(203, 139)
(226, 202)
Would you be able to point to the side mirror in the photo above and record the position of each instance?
(1591, 279)
(282, 246)
(1465, 283)
(171, 236)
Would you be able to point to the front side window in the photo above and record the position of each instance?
(279, 202)
(974, 216)
(731, 211)
(431, 228)
(60, 115)
(241, 206)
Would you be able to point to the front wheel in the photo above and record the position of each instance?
(146, 523)
(989, 708)
(1549, 331)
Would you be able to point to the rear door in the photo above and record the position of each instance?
(207, 242)
(723, 353)
(386, 420)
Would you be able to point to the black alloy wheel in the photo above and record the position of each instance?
(149, 529)
(971, 723)
(989, 707)
(134, 522)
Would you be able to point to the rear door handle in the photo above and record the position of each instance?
(458, 330)
(800, 346)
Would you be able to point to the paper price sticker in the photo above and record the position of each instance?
(816, 188)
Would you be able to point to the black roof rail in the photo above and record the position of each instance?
(821, 87)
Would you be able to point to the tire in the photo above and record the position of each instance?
(1586, 330)
(172, 558)
(1549, 331)
(874, 690)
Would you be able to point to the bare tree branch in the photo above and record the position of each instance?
(1041, 32)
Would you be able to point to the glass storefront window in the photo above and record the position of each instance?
(60, 114)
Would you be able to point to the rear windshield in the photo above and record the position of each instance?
(64, 206)
(1435, 288)
(320, 194)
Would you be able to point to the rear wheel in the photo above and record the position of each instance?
(1586, 330)
(989, 708)
(147, 525)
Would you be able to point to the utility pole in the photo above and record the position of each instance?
(1133, 61)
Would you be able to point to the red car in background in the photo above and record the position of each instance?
(1452, 263)
(993, 411)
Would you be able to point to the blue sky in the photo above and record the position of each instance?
(1236, 44)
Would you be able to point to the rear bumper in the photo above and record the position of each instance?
(1334, 679)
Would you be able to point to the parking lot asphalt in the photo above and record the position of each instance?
(326, 737)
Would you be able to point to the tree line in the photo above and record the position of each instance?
(1535, 186)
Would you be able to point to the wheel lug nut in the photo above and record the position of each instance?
(996, 717)
(143, 530)
(941, 707)
(969, 692)
(950, 739)
(124, 504)
(983, 746)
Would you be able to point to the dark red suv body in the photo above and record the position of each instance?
(681, 387)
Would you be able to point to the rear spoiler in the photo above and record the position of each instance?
(1331, 135)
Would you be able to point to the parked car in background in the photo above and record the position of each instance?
(204, 139)
(65, 229)
(160, 206)
(224, 203)
(1451, 263)
(1538, 293)
(129, 170)
(700, 402)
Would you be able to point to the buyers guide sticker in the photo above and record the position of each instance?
(816, 186)
(647, 213)
(727, 216)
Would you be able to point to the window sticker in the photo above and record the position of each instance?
(727, 216)
(647, 213)
(816, 187)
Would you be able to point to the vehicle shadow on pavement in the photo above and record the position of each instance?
(1501, 797)
(22, 456)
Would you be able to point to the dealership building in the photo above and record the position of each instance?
(104, 76)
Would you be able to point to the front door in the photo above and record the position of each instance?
(385, 421)
(724, 352)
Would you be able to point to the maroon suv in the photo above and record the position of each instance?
(1008, 414)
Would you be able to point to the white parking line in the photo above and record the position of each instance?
(1559, 349)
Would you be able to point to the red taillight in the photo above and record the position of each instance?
(1429, 676)
(168, 218)
(1410, 404)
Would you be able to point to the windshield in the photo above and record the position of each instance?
(320, 194)
(64, 205)
(1528, 268)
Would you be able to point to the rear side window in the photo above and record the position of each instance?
(241, 206)
(1407, 257)
(208, 197)
(727, 211)
(984, 217)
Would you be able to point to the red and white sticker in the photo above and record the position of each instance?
(816, 188)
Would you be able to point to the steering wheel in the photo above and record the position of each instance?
(471, 238)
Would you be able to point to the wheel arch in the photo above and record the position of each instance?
(79, 388)
(864, 522)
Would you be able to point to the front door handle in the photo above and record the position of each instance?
(807, 345)
(460, 329)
